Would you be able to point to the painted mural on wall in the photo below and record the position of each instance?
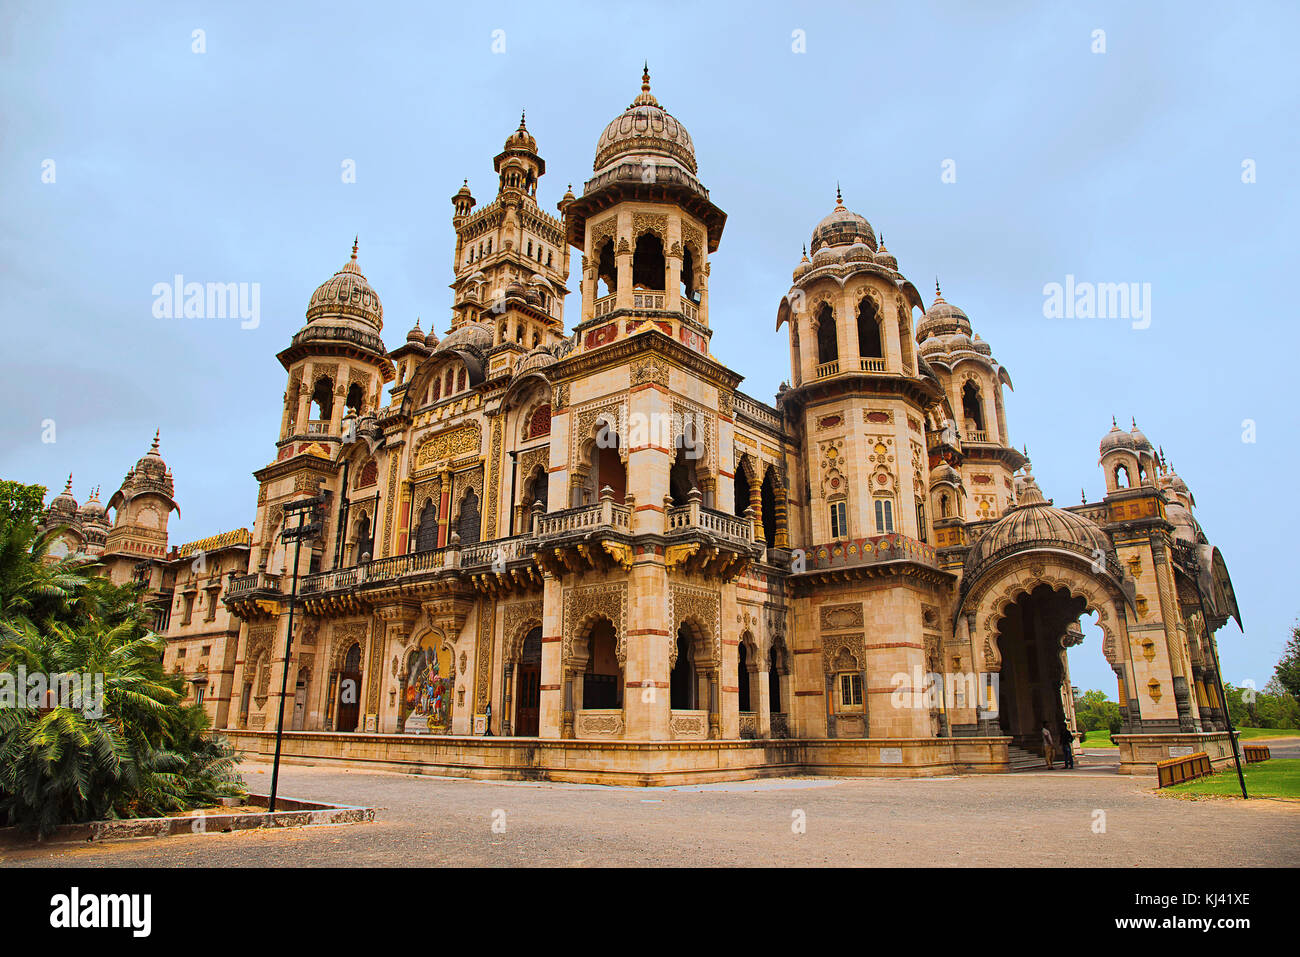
(428, 692)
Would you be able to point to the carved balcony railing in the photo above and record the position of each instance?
(695, 517)
(870, 551)
(690, 310)
(604, 513)
(873, 365)
(756, 411)
(318, 427)
(480, 556)
(648, 300)
(977, 435)
(603, 307)
(780, 724)
(247, 584)
(828, 368)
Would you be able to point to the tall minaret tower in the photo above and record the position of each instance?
(511, 261)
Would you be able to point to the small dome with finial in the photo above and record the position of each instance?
(521, 139)
(885, 258)
(645, 127)
(1140, 441)
(842, 227)
(1116, 438)
(347, 295)
(805, 264)
(416, 335)
(64, 504)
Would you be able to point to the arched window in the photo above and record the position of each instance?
(364, 539)
(356, 399)
(602, 680)
(1121, 476)
(460, 379)
(839, 519)
(688, 289)
(683, 682)
(648, 266)
(322, 398)
(884, 516)
(536, 489)
(944, 506)
(682, 476)
(742, 677)
(742, 492)
(437, 388)
(767, 500)
(606, 270)
(972, 407)
(869, 345)
(539, 423)
(426, 533)
(469, 526)
(828, 349)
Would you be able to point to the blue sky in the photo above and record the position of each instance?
(225, 166)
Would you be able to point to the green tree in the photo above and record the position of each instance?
(1287, 671)
(140, 752)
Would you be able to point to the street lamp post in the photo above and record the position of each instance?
(309, 526)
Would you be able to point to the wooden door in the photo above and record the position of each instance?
(528, 686)
(349, 691)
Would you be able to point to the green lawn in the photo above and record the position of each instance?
(1101, 739)
(1277, 777)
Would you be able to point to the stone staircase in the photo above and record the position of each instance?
(1023, 760)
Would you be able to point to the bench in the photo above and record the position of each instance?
(1256, 753)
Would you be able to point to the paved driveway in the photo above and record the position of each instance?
(1026, 819)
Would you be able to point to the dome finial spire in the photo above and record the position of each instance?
(157, 432)
(839, 199)
(355, 242)
(67, 489)
(645, 77)
(938, 295)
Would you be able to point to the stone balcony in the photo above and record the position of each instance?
(865, 558)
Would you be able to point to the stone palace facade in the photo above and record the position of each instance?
(585, 554)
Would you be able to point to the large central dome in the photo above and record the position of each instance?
(645, 127)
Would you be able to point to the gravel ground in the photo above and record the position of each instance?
(1023, 820)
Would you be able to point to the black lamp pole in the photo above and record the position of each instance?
(305, 529)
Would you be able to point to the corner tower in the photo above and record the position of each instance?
(646, 226)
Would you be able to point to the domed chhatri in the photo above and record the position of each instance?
(521, 139)
(1116, 438)
(842, 227)
(347, 295)
(645, 127)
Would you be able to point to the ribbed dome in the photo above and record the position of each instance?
(539, 358)
(93, 511)
(521, 139)
(1036, 523)
(64, 503)
(842, 227)
(885, 258)
(942, 318)
(645, 127)
(1140, 441)
(347, 295)
(416, 335)
(473, 336)
(1116, 438)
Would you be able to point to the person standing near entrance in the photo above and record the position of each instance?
(1048, 745)
(1067, 748)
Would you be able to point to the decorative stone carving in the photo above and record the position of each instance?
(841, 617)
(465, 440)
(520, 618)
(587, 602)
(704, 608)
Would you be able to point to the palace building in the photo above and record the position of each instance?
(582, 553)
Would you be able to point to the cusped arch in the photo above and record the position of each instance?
(998, 590)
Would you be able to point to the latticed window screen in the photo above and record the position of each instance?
(469, 525)
(426, 533)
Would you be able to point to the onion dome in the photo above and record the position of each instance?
(842, 228)
(416, 335)
(805, 264)
(1116, 438)
(980, 346)
(1140, 441)
(945, 474)
(347, 296)
(942, 318)
(521, 139)
(885, 258)
(63, 504)
(1186, 528)
(645, 127)
(93, 512)
(1035, 524)
(568, 196)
